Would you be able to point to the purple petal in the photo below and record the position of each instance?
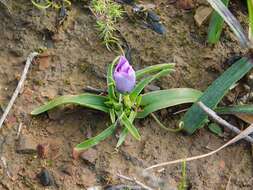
(124, 76)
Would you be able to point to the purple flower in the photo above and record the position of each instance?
(124, 76)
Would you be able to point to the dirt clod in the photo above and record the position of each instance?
(26, 144)
(90, 155)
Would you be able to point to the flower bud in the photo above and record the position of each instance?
(124, 76)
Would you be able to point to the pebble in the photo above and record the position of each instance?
(43, 150)
(26, 144)
(90, 155)
(202, 14)
(45, 178)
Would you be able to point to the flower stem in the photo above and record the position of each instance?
(166, 128)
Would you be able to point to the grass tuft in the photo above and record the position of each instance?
(107, 13)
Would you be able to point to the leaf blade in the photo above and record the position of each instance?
(195, 117)
(141, 85)
(157, 100)
(110, 81)
(247, 109)
(130, 127)
(229, 18)
(153, 69)
(87, 100)
(95, 140)
(215, 26)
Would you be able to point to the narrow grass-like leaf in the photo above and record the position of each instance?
(195, 117)
(131, 128)
(97, 139)
(215, 26)
(122, 137)
(88, 100)
(234, 24)
(153, 69)
(141, 85)
(247, 109)
(157, 100)
(110, 81)
(215, 128)
(250, 10)
(124, 133)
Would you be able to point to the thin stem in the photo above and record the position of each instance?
(250, 10)
(221, 121)
(162, 126)
(135, 181)
(120, 98)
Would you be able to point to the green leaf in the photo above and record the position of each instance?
(250, 10)
(231, 21)
(131, 128)
(95, 140)
(215, 26)
(141, 85)
(122, 137)
(110, 81)
(88, 100)
(247, 109)
(195, 117)
(157, 100)
(214, 128)
(124, 133)
(153, 69)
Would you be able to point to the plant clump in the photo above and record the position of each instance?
(107, 13)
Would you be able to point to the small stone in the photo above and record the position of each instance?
(202, 14)
(26, 145)
(45, 178)
(43, 150)
(90, 155)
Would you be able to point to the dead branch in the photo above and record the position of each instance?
(221, 121)
(18, 88)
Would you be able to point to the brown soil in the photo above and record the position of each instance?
(78, 59)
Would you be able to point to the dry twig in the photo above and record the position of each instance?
(18, 88)
(221, 121)
(19, 130)
(3, 160)
(240, 136)
(135, 181)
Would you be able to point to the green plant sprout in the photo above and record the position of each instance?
(56, 4)
(124, 101)
(107, 13)
(218, 17)
(195, 117)
(183, 182)
(215, 26)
